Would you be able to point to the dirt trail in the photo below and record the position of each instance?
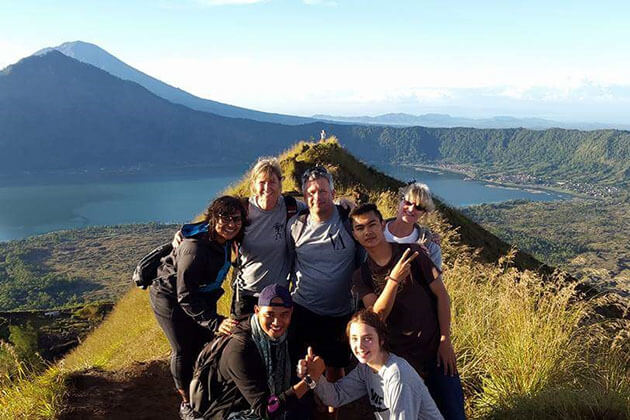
(142, 391)
(146, 391)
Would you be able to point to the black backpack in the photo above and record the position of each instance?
(204, 382)
(146, 270)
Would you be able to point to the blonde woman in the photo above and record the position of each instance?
(415, 203)
(263, 258)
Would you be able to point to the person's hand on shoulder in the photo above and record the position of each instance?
(227, 326)
(347, 204)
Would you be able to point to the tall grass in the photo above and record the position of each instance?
(533, 349)
(33, 396)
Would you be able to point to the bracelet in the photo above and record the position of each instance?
(392, 279)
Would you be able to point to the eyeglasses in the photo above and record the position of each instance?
(418, 207)
(315, 170)
(225, 219)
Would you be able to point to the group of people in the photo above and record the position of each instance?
(302, 270)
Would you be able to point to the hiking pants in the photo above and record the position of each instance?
(447, 393)
(185, 336)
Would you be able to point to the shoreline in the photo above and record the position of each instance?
(469, 174)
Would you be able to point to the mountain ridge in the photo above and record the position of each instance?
(438, 120)
(94, 55)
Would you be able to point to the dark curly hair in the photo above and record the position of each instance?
(225, 206)
(372, 319)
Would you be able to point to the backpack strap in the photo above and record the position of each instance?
(291, 204)
(298, 228)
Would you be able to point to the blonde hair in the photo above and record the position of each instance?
(418, 194)
(265, 165)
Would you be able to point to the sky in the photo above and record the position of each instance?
(561, 60)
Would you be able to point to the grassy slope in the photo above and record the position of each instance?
(523, 349)
(593, 244)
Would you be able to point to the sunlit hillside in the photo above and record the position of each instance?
(528, 344)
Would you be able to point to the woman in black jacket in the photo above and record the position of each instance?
(184, 297)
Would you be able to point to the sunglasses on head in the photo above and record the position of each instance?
(418, 207)
(315, 170)
(225, 219)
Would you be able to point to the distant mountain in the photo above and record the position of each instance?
(58, 114)
(98, 57)
(447, 121)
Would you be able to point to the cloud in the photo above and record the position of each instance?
(364, 86)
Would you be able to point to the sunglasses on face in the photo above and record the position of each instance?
(418, 207)
(228, 219)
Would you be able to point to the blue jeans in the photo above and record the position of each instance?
(446, 392)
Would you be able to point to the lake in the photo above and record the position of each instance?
(176, 197)
(456, 190)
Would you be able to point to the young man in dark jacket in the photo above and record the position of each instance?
(254, 369)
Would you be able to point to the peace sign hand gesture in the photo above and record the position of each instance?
(403, 267)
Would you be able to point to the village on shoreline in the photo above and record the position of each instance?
(525, 181)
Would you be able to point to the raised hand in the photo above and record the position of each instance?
(423, 239)
(432, 237)
(403, 267)
(315, 365)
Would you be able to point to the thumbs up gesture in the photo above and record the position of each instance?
(312, 365)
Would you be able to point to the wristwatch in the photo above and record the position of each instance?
(309, 381)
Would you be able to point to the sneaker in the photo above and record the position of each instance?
(186, 412)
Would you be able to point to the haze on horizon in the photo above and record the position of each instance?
(566, 62)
